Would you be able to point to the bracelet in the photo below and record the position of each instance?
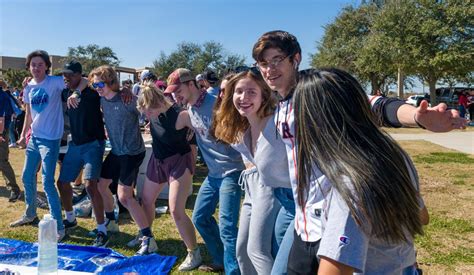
(418, 123)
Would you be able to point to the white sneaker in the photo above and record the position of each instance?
(136, 241)
(192, 261)
(147, 246)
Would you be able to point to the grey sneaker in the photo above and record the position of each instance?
(147, 246)
(101, 240)
(24, 220)
(14, 195)
(192, 261)
(136, 241)
(69, 225)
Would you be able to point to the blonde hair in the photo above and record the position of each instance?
(229, 124)
(151, 97)
(108, 75)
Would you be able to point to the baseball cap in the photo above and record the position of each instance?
(177, 77)
(160, 84)
(145, 74)
(211, 76)
(72, 67)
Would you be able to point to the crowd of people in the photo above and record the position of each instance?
(324, 188)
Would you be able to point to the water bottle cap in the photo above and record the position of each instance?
(47, 217)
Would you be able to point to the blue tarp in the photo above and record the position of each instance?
(86, 258)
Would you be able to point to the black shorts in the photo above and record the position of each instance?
(303, 258)
(123, 168)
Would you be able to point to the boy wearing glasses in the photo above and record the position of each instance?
(278, 56)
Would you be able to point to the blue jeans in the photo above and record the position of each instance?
(462, 111)
(284, 228)
(11, 131)
(220, 240)
(47, 152)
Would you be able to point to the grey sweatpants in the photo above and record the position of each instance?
(257, 220)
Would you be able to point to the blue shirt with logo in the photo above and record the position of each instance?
(46, 107)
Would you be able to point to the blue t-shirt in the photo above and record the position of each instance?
(221, 159)
(5, 108)
(213, 91)
(46, 107)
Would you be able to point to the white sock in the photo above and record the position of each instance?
(70, 216)
(101, 227)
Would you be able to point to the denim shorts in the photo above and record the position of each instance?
(88, 156)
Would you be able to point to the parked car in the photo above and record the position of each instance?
(449, 95)
(415, 100)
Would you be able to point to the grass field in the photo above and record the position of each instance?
(447, 185)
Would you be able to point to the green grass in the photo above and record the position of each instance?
(445, 157)
(440, 252)
(446, 182)
(453, 257)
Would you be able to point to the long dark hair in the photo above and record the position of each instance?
(337, 133)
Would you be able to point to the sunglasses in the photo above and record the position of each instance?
(253, 69)
(100, 84)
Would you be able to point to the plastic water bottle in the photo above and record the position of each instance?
(48, 246)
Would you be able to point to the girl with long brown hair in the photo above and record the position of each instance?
(244, 119)
(372, 209)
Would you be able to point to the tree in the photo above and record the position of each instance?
(15, 77)
(443, 41)
(92, 56)
(197, 58)
(348, 43)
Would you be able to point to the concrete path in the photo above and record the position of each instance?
(460, 141)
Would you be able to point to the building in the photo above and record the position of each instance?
(57, 62)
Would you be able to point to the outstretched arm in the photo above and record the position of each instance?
(436, 119)
(392, 112)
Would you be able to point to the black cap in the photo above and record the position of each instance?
(211, 76)
(72, 67)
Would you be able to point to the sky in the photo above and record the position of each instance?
(137, 31)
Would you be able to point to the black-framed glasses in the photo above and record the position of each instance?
(100, 84)
(274, 62)
(241, 69)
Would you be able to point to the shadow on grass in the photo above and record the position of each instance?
(4, 192)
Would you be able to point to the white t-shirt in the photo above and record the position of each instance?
(46, 108)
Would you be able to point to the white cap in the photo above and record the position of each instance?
(143, 74)
(199, 77)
